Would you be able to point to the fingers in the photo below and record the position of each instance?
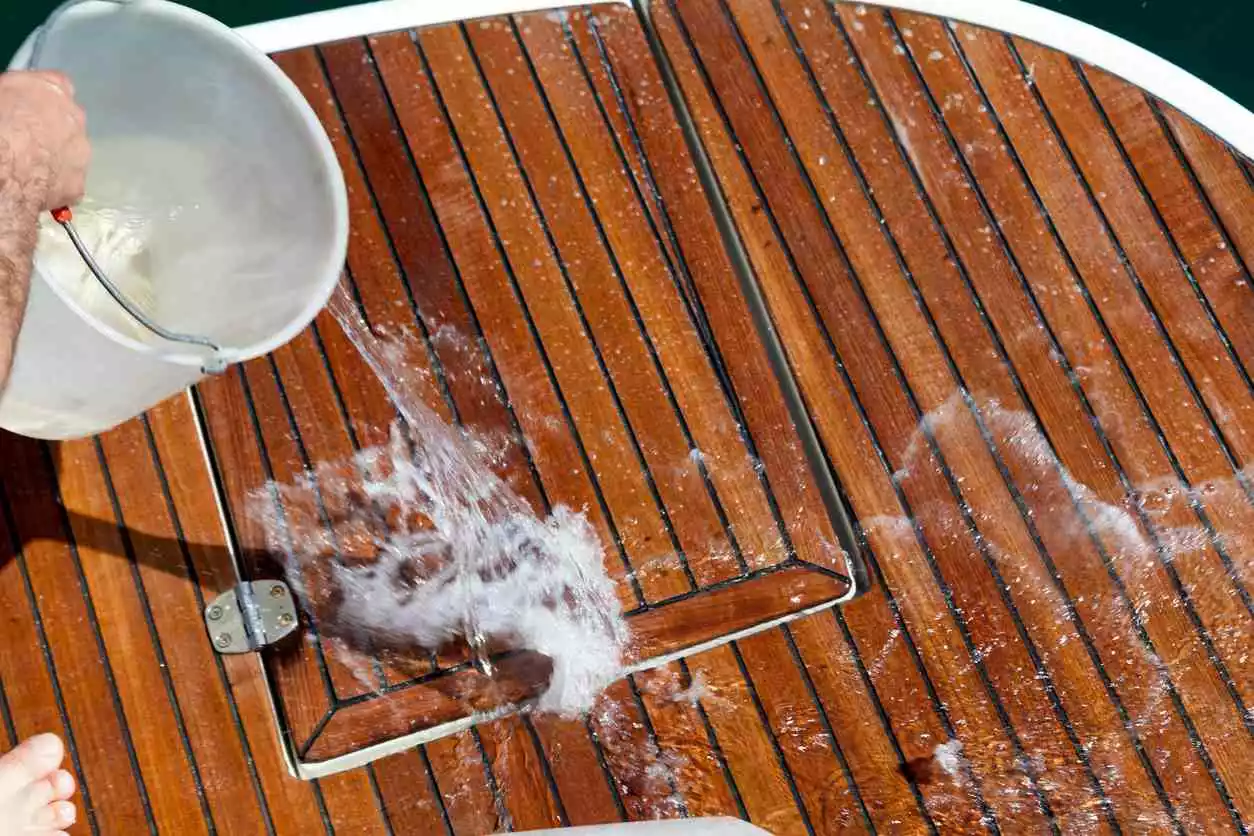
(46, 130)
(72, 180)
(44, 79)
(58, 80)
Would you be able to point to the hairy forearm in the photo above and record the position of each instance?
(21, 193)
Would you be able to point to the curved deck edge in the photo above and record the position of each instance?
(1214, 110)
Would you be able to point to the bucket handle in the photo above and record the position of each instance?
(214, 364)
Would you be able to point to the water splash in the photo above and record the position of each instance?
(418, 542)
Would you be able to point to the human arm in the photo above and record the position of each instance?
(43, 165)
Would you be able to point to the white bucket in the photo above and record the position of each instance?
(204, 138)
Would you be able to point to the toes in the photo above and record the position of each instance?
(34, 796)
(29, 761)
(63, 785)
(56, 816)
(58, 786)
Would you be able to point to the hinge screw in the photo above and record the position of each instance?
(285, 619)
(215, 612)
(276, 591)
(223, 640)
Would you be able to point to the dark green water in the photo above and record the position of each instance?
(1209, 42)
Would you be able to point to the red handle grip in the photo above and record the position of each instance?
(62, 215)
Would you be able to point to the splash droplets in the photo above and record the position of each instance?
(422, 544)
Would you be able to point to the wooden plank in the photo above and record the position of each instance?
(1023, 715)
(238, 460)
(1064, 666)
(1084, 344)
(409, 795)
(764, 783)
(555, 450)
(71, 633)
(674, 516)
(1041, 388)
(599, 288)
(374, 280)
(168, 583)
(288, 457)
(352, 803)
(1225, 187)
(727, 610)
(164, 578)
(612, 50)
(1212, 269)
(458, 767)
(581, 780)
(138, 671)
(542, 281)
(802, 734)
(878, 768)
(671, 699)
(645, 781)
(1061, 505)
(957, 106)
(1224, 389)
(32, 697)
(454, 694)
(716, 488)
(871, 494)
(520, 771)
(291, 805)
(1227, 512)
(427, 272)
(615, 54)
(1169, 183)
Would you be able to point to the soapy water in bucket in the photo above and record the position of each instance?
(418, 542)
(118, 240)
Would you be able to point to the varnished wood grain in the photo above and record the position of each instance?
(50, 567)
(945, 248)
(1014, 292)
(287, 806)
(549, 310)
(680, 626)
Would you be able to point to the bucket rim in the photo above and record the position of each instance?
(320, 144)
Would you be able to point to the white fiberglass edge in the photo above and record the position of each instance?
(1181, 89)
(380, 16)
(361, 757)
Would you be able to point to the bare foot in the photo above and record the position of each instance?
(34, 790)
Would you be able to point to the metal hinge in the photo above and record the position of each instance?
(253, 615)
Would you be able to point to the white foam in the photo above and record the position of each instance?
(948, 756)
(697, 688)
(456, 553)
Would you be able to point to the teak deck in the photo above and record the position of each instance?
(1015, 329)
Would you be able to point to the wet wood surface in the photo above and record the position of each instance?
(1013, 293)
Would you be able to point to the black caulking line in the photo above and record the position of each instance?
(942, 712)
(585, 325)
(741, 265)
(193, 577)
